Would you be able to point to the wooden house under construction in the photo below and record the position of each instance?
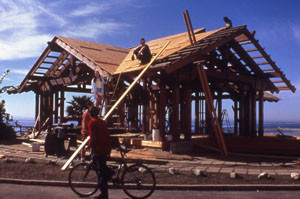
(184, 87)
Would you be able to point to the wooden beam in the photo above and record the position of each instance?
(34, 68)
(197, 119)
(257, 57)
(246, 42)
(251, 63)
(44, 68)
(235, 116)
(56, 106)
(268, 69)
(47, 62)
(272, 74)
(51, 56)
(236, 63)
(261, 113)
(263, 63)
(212, 111)
(175, 110)
(251, 50)
(278, 81)
(190, 25)
(269, 60)
(62, 106)
(283, 88)
(162, 108)
(187, 28)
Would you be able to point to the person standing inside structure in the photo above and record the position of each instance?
(86, 117)
(98, 88)
(100, 144)
(142, 52)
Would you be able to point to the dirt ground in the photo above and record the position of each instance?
(41, 171)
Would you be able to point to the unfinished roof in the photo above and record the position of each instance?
(246, 56)
(62, 53)
(106, 57)
(177, 42)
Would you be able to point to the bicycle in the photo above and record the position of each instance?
(136, 180)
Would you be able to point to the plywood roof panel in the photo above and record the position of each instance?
(177, 42)
(105, 56)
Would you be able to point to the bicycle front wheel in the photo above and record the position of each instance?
(138, 181)
(83, 179)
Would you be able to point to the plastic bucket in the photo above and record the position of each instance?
(156, 135)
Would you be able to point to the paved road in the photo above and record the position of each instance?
(12, 191)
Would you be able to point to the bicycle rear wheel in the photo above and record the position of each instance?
(83, 179)
(138, 181)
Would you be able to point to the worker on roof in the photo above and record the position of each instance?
(98, 88)
(228, 23)
(142, 52)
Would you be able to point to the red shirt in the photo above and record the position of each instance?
(99, 142)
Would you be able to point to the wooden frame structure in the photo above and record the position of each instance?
(235, 65)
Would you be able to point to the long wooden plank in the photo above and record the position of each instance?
(212, 111)
(187, 28)
(116, 104)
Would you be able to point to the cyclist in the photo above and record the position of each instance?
(100, 145)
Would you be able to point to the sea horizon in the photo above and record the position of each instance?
(270, 126)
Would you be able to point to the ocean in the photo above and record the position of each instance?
(286, 127)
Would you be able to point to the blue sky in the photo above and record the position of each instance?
(27, 25)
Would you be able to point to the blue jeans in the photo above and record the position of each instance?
(103, 173)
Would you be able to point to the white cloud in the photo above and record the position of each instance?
(20, 71)
(296, 32)
(27, 25)
(24, 47)
(91, 8)
(19, 32)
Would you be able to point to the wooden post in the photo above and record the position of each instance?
(207, 120)
(175, 110)
(235, 115)
(37, 107)
(62, 106)
(56, 107)
(188, 106)
(182, 109)
(42, 111)
(242, 114)
(50, 107)
(261, 114)
(162, 109)
(202, 114)
(253, 115)
(197, 118)
(150, 113)
(248, 118)
(219, 101)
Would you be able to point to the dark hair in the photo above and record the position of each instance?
(142, 39)
(94, 112)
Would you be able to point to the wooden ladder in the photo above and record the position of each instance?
(212, 111)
